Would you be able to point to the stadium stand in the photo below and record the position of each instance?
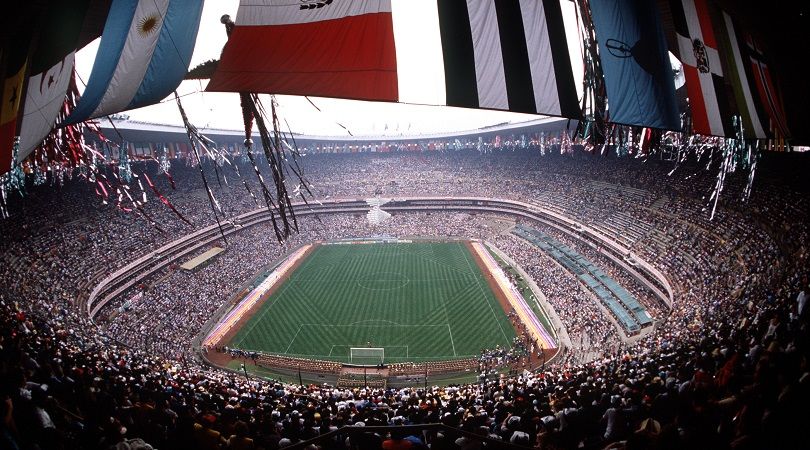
(726, 367)
(621, 303)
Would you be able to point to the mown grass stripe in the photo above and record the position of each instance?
(431, 284)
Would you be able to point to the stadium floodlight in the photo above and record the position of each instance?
(366, 356)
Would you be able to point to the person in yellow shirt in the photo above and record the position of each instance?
(239, 440)
(205, 436)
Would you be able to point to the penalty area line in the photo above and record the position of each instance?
(293, 339)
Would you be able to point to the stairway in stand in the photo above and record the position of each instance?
(658, 203)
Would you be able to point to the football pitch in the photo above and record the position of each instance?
(422, 301)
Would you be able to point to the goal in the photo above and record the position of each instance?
(366, 356)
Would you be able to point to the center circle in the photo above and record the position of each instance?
(383, 281)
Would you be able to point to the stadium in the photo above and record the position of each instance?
(546, 282)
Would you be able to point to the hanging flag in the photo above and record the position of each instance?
(143, 56)
(697, 49)
(51, 71)
(44, 97)
(749, 106)
(16, 59)
(635, 62)
(506, 55)
(322, 48)
(767, 88)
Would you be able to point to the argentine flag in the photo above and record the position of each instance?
(144, 54)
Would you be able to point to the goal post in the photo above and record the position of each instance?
(366, 356)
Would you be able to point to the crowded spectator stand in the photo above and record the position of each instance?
(733, 344)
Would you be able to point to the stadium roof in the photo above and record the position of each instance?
(144, 132)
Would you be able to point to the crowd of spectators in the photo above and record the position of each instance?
(592, 333)
(725, 368)
(150, 322)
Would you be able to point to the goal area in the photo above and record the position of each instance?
(366, 356)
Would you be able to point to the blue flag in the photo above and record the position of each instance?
(635, 62)
(144, 54)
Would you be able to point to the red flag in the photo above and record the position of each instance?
(697, 50)
(766, 87)
(11, 95)
(327, 49)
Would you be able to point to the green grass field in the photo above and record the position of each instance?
(419, 301)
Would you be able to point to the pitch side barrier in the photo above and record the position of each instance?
(406, 430)
(127, 276)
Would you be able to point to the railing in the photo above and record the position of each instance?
(407, 430)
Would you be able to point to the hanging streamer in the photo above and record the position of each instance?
(194, 137)
(248, 117)
(164, 199)
(274, 153)
(255, 200)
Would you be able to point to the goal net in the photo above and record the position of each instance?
(366, 356)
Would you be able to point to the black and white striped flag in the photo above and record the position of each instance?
(507, 54)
